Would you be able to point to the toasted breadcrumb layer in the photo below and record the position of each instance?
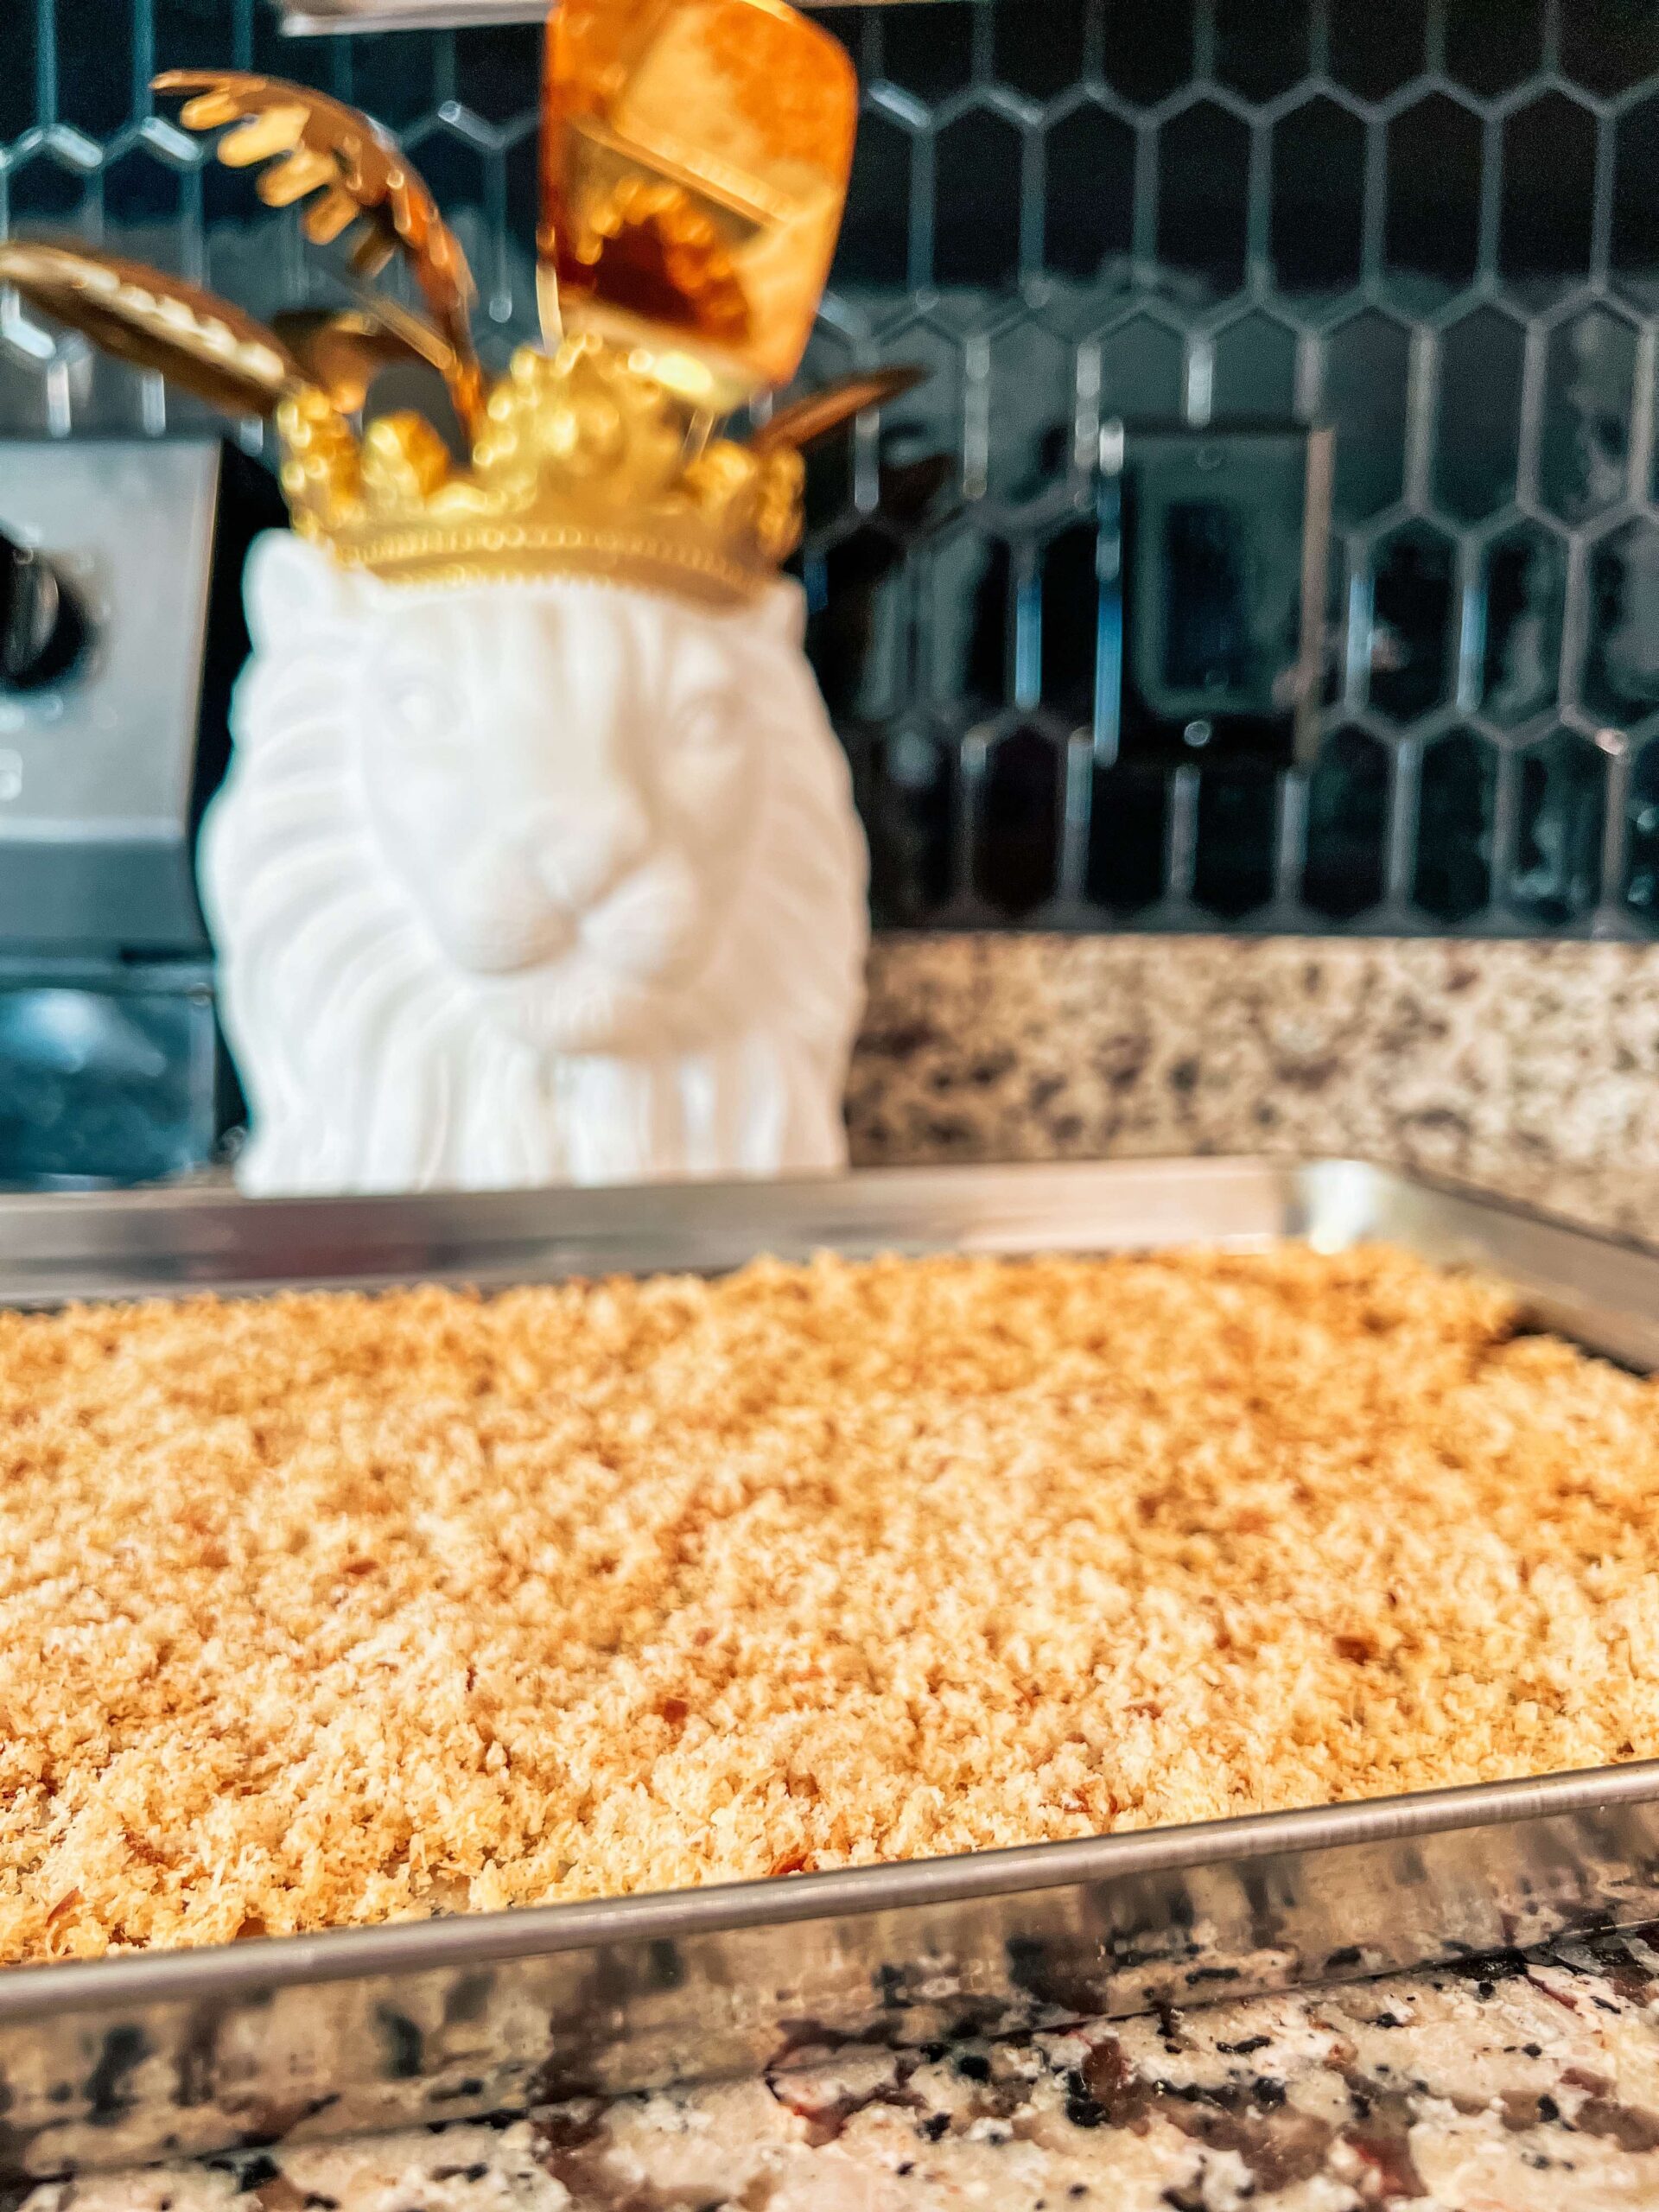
(328, 1609)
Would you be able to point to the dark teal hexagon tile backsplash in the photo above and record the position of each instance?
(1432, 225)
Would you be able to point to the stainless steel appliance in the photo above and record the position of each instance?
(120, 634)
(108, 2060)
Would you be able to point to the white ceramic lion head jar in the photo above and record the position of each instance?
(555, 880)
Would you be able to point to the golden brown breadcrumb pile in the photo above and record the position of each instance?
(327, 1609)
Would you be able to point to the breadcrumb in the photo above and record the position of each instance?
(328, 1609)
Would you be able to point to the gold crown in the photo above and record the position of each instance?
(695, 162)
(585, 465)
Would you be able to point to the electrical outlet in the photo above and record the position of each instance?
(1224, 558)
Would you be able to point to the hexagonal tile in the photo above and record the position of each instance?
(930, 415)
(1261, 45)
(254, 254)
(978, 167)
(1128, 824)
(521, 183)
(143, 208)
(969, 620)
(1375, 50)
(400, 78)
(1490, 49)
(1238, 818)
(1413, 591)
(1040, 51)
(1523, 582)
(1149, 50)
(1366, 363)
(95, 42)
(498, 71)
(1254, 371)
(17, 79)
(23, 397)
(1548, 212)
(1017, 847)
(1070, 604)
(1318, 198)
(1633, 246)
(874, 246)
(1347, 825)
(929, 53)
(858, 635)
(1456, 792)
(1479, 426)
(1585, 433)
(1621, 663)
(50, 194)
(1203, 168)
(200, 35)
(829, 357)
(1432, 236)
(113, 401)
(913, 828)
(1554, 872)
(320, 61)
(1088, 206)
(1032, 375)
(1641, 837)
(1607, 45)
(911, 492)
(1141, 370)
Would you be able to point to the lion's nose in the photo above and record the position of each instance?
(580, 853)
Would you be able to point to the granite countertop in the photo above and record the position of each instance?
(1520, 2083)
(1530, 1069)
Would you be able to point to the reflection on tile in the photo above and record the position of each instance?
(1555, 875)
(1641, 833)
(1524, 581)
(1621, 674)
(1412, 629)
(1584, 448)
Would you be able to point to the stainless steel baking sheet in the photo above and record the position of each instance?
(107, 2060)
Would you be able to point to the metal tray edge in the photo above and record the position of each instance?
(409, 1947)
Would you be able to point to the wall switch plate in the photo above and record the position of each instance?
(1225, 541)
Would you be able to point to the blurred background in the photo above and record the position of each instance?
(1272, 547)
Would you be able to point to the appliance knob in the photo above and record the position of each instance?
(42, 628)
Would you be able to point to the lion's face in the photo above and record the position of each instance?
(564, 780)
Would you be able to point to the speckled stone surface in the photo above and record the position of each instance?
(1518, 2084)
(1528, 1069)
